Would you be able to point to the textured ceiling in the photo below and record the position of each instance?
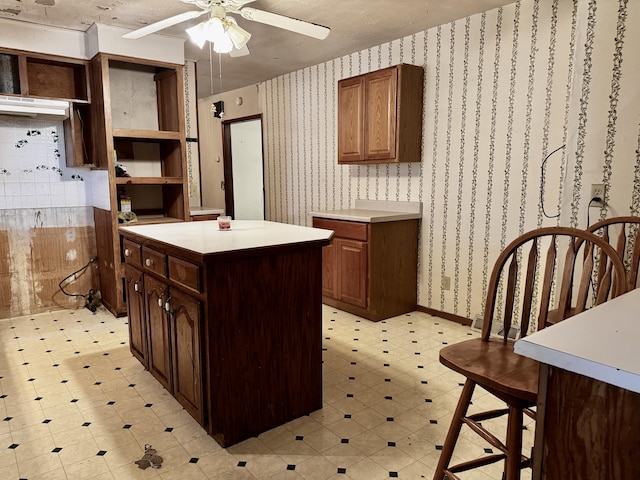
(355, 25)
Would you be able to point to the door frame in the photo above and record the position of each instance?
(227, 161)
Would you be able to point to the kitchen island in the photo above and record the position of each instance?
(229, 322)
(589, 395)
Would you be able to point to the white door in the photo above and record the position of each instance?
(247, 170)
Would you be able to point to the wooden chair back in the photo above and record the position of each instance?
(623, 233)
(526, 279)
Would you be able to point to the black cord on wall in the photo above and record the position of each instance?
(594, 199)
(542, 181)
(93, 297)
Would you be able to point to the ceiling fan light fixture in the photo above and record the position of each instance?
(212, 30)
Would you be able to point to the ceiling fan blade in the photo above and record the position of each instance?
(167, 22)
(239, 52)
(288, 23)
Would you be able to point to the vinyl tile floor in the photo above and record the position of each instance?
(75, 404)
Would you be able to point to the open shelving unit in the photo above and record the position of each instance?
(27, 74)
(141, 116)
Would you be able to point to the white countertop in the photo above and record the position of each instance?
(374, 211)
(205, 237)
(601, 343)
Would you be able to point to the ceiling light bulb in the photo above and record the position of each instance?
(223, 44)
(214, 28)
(198, 34)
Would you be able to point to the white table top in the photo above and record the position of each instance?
(374, 211)
(205, 237)
(601, 343)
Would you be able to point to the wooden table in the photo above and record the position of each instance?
(588, 425)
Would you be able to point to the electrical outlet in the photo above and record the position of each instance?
(446, 283)
(597, 191)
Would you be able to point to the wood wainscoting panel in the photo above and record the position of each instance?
(37, 253)
(5, 275)
(55, 253)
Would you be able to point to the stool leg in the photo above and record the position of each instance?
(514, 444)
(454, 429)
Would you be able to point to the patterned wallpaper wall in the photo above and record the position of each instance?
(503, 90)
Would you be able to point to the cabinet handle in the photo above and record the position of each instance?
(160, 302)
(167, 305)
(148, 262)
(127, 252)
(136, 287)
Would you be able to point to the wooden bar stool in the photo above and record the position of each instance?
(579, 270)
(623, 233)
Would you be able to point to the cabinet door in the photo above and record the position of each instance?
(350, 120)
(135, 309)
(158, 333)
(380, 114)
(330, 270)
(353, 274)
(186, 320)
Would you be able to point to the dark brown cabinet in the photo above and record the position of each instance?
(164, 325)
(186, 319)
(329, 270)
(370, 269)
(241, 329)
(137, 322)
(380, 116)
(156, 296)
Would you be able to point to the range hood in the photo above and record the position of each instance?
(34, 107)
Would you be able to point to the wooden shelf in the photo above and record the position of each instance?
(151, 219)
(149, 181)
(146, 134)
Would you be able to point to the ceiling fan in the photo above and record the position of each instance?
(223, 31)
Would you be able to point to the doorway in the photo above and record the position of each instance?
(243, 168)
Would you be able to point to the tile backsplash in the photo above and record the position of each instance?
(33, 171)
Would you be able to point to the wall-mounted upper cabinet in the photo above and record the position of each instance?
(35, 75)
(380, 116)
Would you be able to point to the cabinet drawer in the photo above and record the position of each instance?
(154, 261)
(344, 229)
(184, 273)
(131, 252)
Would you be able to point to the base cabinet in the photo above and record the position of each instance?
(164, 333)
(156, 293)
(186, 319)
(225, 334)
(370, 269)
(352, 265)
(137, 321)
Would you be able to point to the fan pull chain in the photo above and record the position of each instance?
(220, 66)
(211, 66)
